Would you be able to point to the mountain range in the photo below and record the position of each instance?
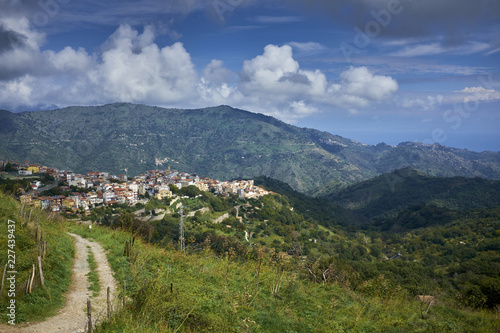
(219, 142)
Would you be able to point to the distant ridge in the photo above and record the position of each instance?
(389, 194)
(219, 142)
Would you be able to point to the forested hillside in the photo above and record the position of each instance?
(219, 142)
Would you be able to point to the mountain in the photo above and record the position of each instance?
(219, 142)
(388, 195)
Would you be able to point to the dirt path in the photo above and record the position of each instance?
(73, 316)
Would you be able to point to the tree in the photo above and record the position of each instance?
(126, 220)
(174, 189)
(191, 191)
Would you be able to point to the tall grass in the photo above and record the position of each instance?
(170, 291)
(42, 302)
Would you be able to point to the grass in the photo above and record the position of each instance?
(57, 264)
(92, 275)
(228, 294)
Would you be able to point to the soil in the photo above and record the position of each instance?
(73, 316)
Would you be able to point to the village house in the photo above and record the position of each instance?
(24, 172)
(163, 192)
(34, 168)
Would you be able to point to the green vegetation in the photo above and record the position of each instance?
(433, 245)
(353, 262)
(30, 224)
(92, 275)
(220, 143)
(262, 291)
(389, 194)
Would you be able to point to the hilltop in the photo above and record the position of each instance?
(219, 142)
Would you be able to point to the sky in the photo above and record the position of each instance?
(369, 70)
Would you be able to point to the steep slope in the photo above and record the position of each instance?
(389, 194)
(219, 142)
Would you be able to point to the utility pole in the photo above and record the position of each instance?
(181, 232)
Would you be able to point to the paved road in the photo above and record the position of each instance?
(48, 187)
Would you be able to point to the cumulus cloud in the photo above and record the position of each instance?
(130, 67)
(216, 72)
(277, 75)
(20, 49)
(359, 87)
(70, 60)
(135, 69)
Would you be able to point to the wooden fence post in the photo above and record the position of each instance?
(126, 250)
(41, 272)
(32, 278)
(108, 302)
(89, 315)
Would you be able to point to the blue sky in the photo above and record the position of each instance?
(370, 70)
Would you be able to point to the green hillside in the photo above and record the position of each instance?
(22, 231)
(218, 142)
(389, 194)
(230, 287)
(281, 264)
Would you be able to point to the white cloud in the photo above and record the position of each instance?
(419, 50)
(427, 103)
(493, 51)
(18, 88)
(216, 73)
(70, 59)
(361, 82)
(131, 68)
(277, 76)
(359, 87)
(134, 69)
(473, 94)
(438, 48)
(301, 108)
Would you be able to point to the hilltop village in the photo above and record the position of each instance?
(83, 192)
